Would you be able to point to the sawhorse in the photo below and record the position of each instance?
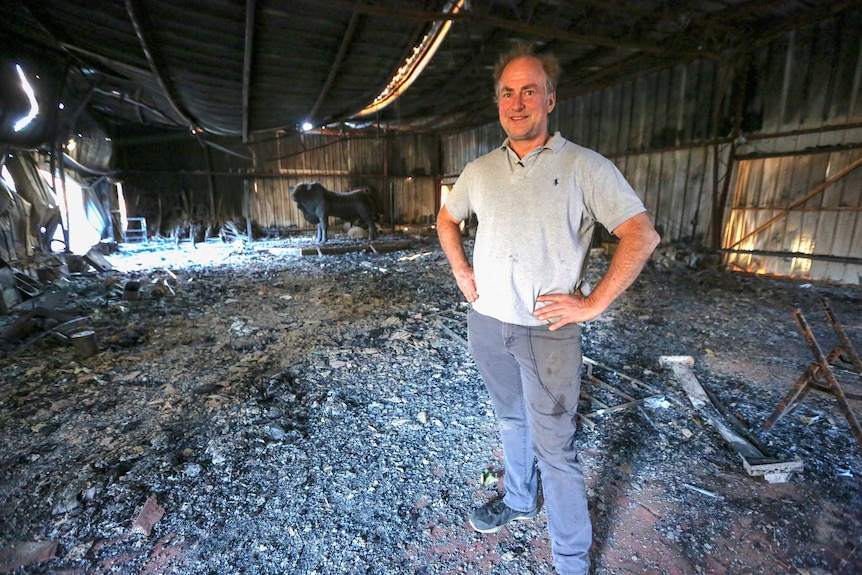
(822, 367)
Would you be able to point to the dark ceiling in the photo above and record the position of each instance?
(234, 68)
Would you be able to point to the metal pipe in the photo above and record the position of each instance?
(816, 257)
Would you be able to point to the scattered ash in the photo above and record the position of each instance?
(257, 412)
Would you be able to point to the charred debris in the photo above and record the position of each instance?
(271, 408)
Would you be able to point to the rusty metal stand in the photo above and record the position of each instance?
(822, 367)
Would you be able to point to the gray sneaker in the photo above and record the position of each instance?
(491, 516)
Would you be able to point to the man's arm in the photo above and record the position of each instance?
(449, 232)
(638, 239)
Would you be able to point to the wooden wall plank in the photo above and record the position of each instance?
(680, 193)
(772, 85)
(665, 218)
(818, 88)
(639, 180)
(594, 118)
(646, 112)
(796, 76)
(653, 186)
(638, 116)
(625, 117)
(846, 103)
(663, 131)
(704, 94)
(608, 121)
(698, 204)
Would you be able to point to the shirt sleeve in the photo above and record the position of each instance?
(609, 197)
(458, 200)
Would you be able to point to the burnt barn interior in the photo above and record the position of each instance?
(192, 380)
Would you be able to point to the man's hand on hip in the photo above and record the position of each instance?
(563, 309)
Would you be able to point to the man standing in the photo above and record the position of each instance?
(537, 199)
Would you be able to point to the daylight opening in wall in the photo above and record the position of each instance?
(7, 178)
(444, 193)
(31, 97)
(121, 201)
(82, 234)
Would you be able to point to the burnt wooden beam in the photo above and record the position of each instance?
(246, 65)
(320, 250)
(800, 255)
(754, 39)
(155, 69)
(336, 64)
(452, 106)
(755, 461)
(497, 22)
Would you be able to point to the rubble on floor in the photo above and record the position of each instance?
(249, 410)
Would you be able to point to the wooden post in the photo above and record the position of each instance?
(85, 343)
(247, 205)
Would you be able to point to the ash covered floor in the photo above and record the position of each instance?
(256, 412)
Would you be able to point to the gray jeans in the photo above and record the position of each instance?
(533, 376)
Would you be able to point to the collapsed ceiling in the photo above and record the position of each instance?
(234, 68)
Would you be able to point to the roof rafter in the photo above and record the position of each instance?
(494, 21)
(452, 106)
(336, 64)
(134, 16)
(246, 65)
(810, 18)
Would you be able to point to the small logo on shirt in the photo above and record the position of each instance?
(556, 181)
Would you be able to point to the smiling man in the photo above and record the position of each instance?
(537, 199)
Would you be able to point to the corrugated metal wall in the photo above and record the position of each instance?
(400, 170)
(210, 181)
(796, 205)
(697, 143)
(180, 176)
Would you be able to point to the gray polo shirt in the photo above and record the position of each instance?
(536, 217)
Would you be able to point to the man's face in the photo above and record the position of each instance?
(524, 103)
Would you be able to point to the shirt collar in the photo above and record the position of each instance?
(555, 144)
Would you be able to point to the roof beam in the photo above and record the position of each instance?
(133, 13)
(336, 65)
(134, 101)
(452, 107)
(643, 64)
(494, 21)
(802, 20)
(246, 65)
